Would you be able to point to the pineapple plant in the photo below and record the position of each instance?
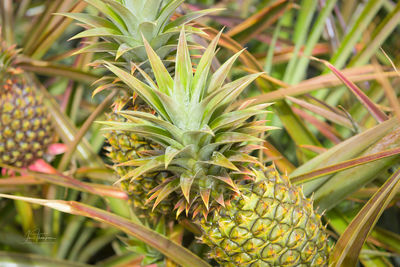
(121, 34)
(26, 129)
(249, 215)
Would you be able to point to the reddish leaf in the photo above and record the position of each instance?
(363, 98)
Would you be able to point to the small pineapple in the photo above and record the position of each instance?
(25, 126)
(255, 218)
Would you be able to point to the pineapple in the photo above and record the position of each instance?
(270, 224)
(121, 42)
(25, 126)
(251, 216)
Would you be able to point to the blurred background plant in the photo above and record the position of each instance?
(330, 69)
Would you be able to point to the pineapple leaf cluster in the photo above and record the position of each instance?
(205, 139)
(123, 23)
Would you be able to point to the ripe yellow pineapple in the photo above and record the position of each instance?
(25, 126)
(251, 216)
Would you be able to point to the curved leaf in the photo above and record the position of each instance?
(350, 242)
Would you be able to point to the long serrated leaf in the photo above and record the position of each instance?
(228, 138)
(174, 251)
(234, 117)
(94, 21)
(219, 76)
(324, 128)
(164, 81)
(198, 88)
(328, 114)
(109, 13)
(166, 12)
(97, 47)
(339, 222)
(227, 93)
(152, 164)
(149, 131)
(350, 242)
(96, 32)
(183, 67)
(176, 132)
(344, 165)
(52, 30)
(362, 97)
(242, 157)
(51, 69)
(65, 181)
(129, 18)
(191, 16)
(357, 74)
(141, 88)
(233, 137)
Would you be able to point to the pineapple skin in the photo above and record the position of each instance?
(270, 224)
(26, 129)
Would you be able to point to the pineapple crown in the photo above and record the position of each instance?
(206, 139)
(124, 23)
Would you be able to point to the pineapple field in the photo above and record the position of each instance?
(199, 133)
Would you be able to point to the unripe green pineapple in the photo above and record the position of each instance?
(25, 125)
(270, 224)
